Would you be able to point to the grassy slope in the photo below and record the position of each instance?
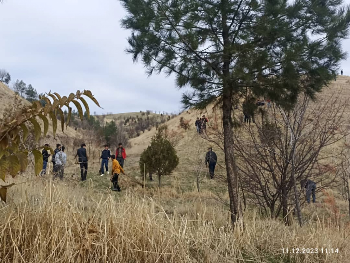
(120, 116)
(133, 229)
(7, 98)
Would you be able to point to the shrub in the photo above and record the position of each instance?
(184, 124)
(160, 157)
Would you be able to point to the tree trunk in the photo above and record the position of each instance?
(198, 182)
(272, 209)
(284, 202)
(229, 154)
(227, 92)
(296, 196)
(348, 192)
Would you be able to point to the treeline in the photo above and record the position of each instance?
(20, 87)
(135, 125)
(118, 129)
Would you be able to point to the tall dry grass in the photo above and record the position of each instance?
(54, 222)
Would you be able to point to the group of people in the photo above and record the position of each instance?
(250, 106)
(201, 124)
(117, 164)
(59, 161)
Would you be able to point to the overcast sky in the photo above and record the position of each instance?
(68, 45)
(71, 45)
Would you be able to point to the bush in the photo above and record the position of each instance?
(160, 157)
(184, 124)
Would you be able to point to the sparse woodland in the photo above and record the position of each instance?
(186, 219)
(231, 54)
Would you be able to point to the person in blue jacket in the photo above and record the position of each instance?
(105, 156)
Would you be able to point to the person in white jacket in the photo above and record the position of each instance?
(60, 162)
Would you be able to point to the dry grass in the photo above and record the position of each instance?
(70, 221)
(55, 223)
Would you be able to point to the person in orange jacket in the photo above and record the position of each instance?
(116, 169)
(120, 154)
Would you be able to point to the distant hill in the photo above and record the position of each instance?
(7, 97)
(138, 144)
(123, 116)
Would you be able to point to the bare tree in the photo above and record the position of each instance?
(286, 147)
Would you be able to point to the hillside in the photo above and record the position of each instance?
(341, 85)
(86, 222)
(7, 98)
(123, 116)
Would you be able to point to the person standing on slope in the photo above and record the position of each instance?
(58, 148)
(83, 161)
(310, 189)
(61, 160)
(211, 160)
(120, 154)
(198, 125)
(106, 154)
(204, 121)
(116, 169)
(46, 156)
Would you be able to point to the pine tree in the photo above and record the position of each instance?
(160, 157)
(20, 87)
(109, 131)
(5, 77)
(31, 93)
(221, 48)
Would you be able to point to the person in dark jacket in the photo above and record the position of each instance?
(106, 154)
(204, 121)
(83, 161)
(120, 154)
(198, 125)
(211, 160)
(58, 149)
(310, 189)
(249, 108)
(46, 156)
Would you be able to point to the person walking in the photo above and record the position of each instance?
(60, 160)
(211, 160)
(310, 189)
(249, 108)
(83, 161)
(116, 170)
(204, 124)
(106, 154)
(120, 154)
(246, 118)
(341, 72)
(46, 156)
(268, 103)
(198, 125)
(58, 148)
